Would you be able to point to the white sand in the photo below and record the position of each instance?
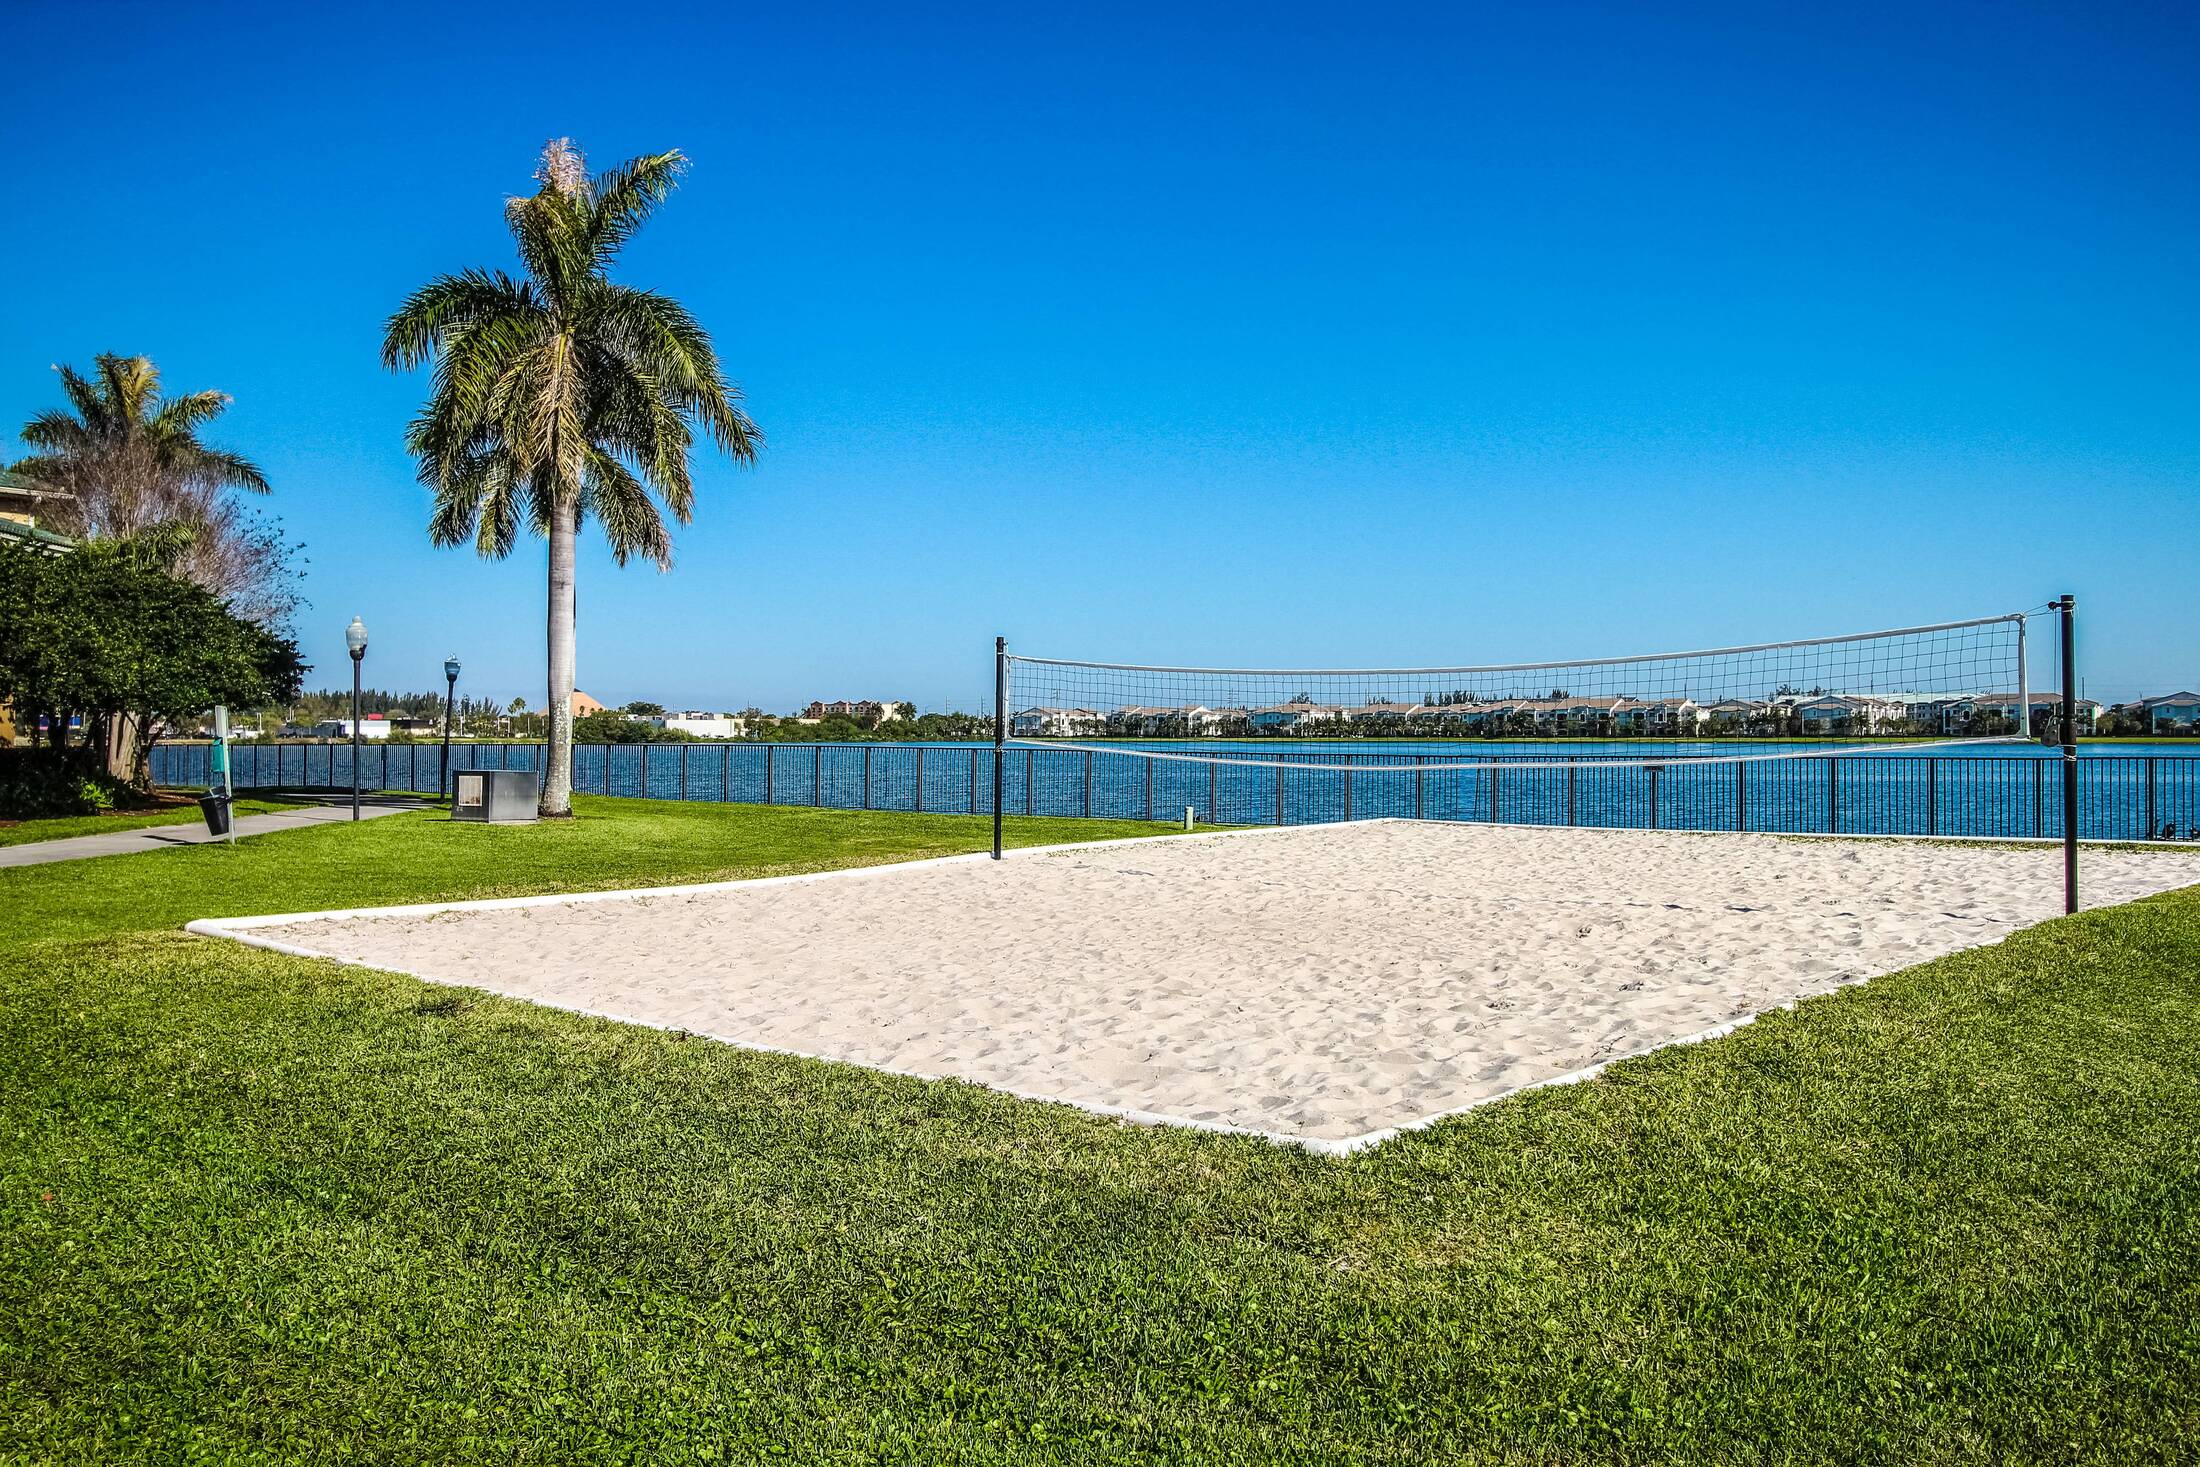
(1324, 984)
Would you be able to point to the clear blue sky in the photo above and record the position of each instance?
(1258, 335)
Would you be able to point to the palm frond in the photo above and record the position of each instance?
(56, 432)
(449, 304)
(657, 332)
(129, 384)
(216, 468)
(186, 414)
(625, 197)
(621, 505)
(88, 398)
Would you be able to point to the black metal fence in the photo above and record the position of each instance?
(2120, 797)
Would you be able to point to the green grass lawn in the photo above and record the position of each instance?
(23, 832)
(255, 1208)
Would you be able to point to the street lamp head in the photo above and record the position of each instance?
(450, 669)
(355, 637)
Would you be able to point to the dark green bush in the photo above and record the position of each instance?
(41, 782)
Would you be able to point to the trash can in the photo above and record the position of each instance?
(215, 806)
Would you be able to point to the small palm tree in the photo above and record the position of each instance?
(132, 459)
(563, 395)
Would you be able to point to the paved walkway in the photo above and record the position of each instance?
(159, 837)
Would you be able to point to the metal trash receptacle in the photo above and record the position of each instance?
(495, 796)
(220, 814)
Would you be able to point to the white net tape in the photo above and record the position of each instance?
(1962, 682)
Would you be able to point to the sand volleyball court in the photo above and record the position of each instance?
(1327, 985)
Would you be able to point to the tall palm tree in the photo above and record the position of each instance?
(563, 395)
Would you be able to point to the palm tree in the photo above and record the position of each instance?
(563, 395)
(126, 451)
(131, 463)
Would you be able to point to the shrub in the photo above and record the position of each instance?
(41, 782)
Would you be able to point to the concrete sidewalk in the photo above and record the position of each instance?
(160, 837)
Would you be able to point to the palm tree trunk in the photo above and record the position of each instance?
(557, 771)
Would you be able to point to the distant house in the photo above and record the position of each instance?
(1152, 721)
(1292, 716)
(1383, 710)
(1573, 715)
(1848, 713)
(1057, 723)
(2172, 713)
(1732, 714)
(705, 725)
(2044, 706)
(583, 705)
(868, 712)
(373, 726)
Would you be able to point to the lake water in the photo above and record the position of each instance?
(2127, 791)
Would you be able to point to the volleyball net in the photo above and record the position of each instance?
(1957, 682)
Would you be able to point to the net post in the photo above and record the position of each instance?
(2068, 606)
(1000, 732)
(2024, 682)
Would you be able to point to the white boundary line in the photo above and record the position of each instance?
(242, 930)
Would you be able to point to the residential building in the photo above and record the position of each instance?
(868, 712)
(2045, 707)
(373, 726)
(1293, 716)
(1734, 715)
(583, 705)
(2172, 713)
(1057, 723)
(705, 725)
(1848, 713)
(1573, 715)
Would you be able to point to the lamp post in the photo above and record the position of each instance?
(450, 697)
(355, 637)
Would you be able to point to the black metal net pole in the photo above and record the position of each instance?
(1000, 732)
(2069, 608)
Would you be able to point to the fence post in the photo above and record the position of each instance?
(1149, 788)
(817, 776)
(1213, 787)
(1088, 782)
(683, 772)
(1031, 787)
(973, 781)
(1279, 794)
(920, 779)
(1833, 796)
(1932, 796)
(770, 769)
(866, 776)
(1348, 786)
(1741, 795)
(2039, 803)
(1654, 771)
(725, 772)
(1493, 793)
(1420, 780)
(2151, 826)
(644, 790)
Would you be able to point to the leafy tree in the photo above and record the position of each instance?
(134, 464)
(562, 395)
(644, 710)
(617, 728)
(105, 631)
